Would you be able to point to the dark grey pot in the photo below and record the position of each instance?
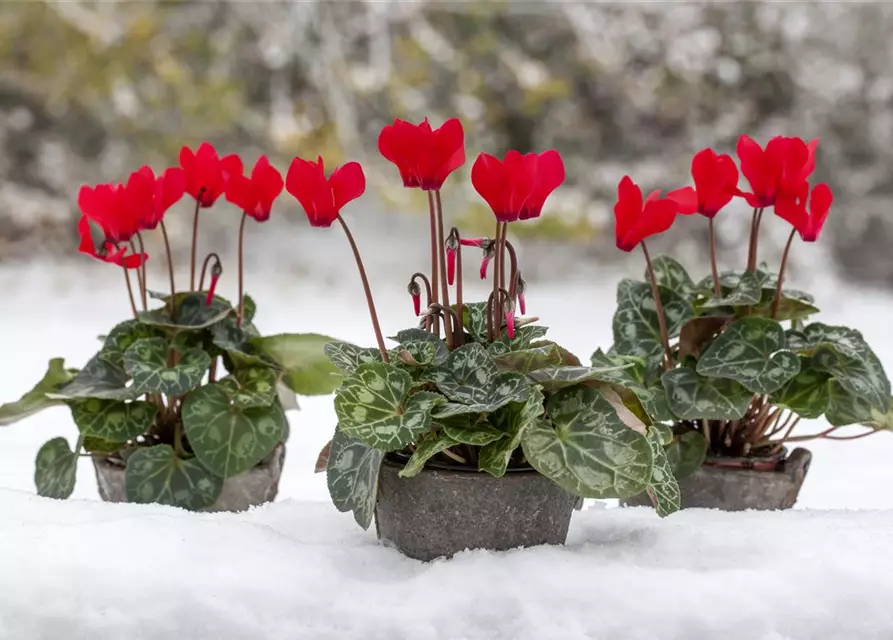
(250, 489)
(739, 489)
(440, 512)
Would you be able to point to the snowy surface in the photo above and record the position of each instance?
(300, 570)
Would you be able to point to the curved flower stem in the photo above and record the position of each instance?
(444, 286)
(421, 276)
(201, 280)
(432, 214)
(855, 437)
(784, 262)
(494, 314)
(198, 203)
(717, 290)
(140, 272)
(754, 239)
(170, 264)
(460, 307)
(139, 237)
(356, 254)
(130, 291)
(241, 269)
(513, 268)
(658, 306)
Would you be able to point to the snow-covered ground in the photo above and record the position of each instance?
(299, 569)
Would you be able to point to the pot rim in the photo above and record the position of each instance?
(389, 460)
(749, 463)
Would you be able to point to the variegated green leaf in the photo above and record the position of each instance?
(226, 438)
(98, 379)
(671, 274)
(432, 444)
(55, 469)
(474, 320)
(556, 378)
(98, 445)
(523, 338)
(415, 354)
(122, 336)
(744, 291)
(507, 387)
(112, 420)
(587, 450)
(146, 360)
(156, 475)
(751, 351)
(352, 477)
(252, 387)
(190, 312)
(376, 405)
(686, 453)
(418, 335)
(806, 394)
(665, 432)
(477, 435)
(640, 378)
(635, 325)
(663, 489)
(692, 397)
(471, 379)
(56, 377)
(527, 360)
(348, 357)
(513, 420)
(881, 420)
(844, 407)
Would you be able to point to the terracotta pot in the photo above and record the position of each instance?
(442, 511)
(737, 484)
(250, 489)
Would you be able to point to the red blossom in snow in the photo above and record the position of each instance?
(107, 206)
(636, 219)
(424, 156)
(255, 194)
(778, 170)
(322, 198)
(716, 182)
(807, 218)
(149, 197)
(517, 187)
(206, 173)
(95, 244)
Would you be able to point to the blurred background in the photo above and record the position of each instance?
(90, 90)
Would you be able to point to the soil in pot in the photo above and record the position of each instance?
(250, 489)
(738, 484)
(444, 510)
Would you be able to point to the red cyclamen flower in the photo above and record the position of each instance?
(424, 156)
(510, 321)
(779, 169)
(416, 293)
(489, 247)
(807, 220)
(323, 198)
(637, 219)
(452, 246)
(516, 188)
(255, 195)
(216, 272)
(206, 173)
(716, 182)
(96, 246)
(107, 206)
(150, 197)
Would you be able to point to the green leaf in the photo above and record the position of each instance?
(252, 387)
(527, 360)
(524, 337)
(671, 274)
(156, 475)
(146, 360)
(249, 308)
(418, 335)
(432, 444)
(751, 351)
(745, 290)
(473, 383)
(98, 445)
(55, 469)
(477, 435)
(635, 325)
(844, 407)
(588, 450)
(793, 305)
(806, 394)
(229, 439)
(514, 420)
(699, 331)
(98, 379)
(694, 397)
(686, 453)
(227, 336)
(639, 377)
(37, 400)
(663, 488)
(112, 420)
(121, 337)
(665, 433)
(352, 477)
(376, 405)
(556, 378)
(474, 320)
(307, 370)
(348, 357)
(190, 312)
(414, 355)
(881, 420)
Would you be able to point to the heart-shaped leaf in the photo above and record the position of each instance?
(844, 407)
(37, 400)
(751, 351)
(252, 387)
(745, 292)
(686, 453)
(190, 312)
(418, 335)
(694, 397)
(474, 320)
(513, 421)
(122, 336)
(302, 357)
(376, 405)
(523, 338)
(527, 360)
(806, 394)
(635, 325)
(98, 379)
(55, 469)
(477, 435)
(352, 477)
(226, 438)
(671, 274)
(146, 360)
(556, 378)
(638, 376)
(507, 387)
(432, 444)
(156, 475)
(588, 450)
(98, 445)
(414, 355)
(348, 357)
(663, 489)
(699, 331)
(112, 420)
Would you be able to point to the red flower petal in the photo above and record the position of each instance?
(348, 183)
(686, 200)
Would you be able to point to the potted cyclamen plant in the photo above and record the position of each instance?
(731, 363)
(474, 431)
(159, 416)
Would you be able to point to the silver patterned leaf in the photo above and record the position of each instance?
(513, 421)
(432, 444)
(635, 324)
(671, 274)
(352, 477)
(663, 489)
(745, 290)
(694, 397)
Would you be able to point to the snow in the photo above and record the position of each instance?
(299, 569)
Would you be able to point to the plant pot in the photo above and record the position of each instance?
(250, 489)
(442, 511)
(737, 484)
